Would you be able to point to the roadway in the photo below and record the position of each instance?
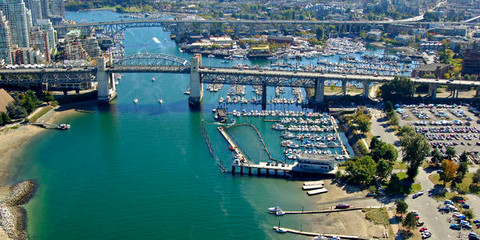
(240, 21)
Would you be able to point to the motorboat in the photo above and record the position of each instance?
(153, 79)
(320, 237)
(135, 100)
(274, 209)
(64, 126)
(187, 92)
(281, 230)
(160, 101)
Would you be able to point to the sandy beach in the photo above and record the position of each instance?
(13, 140)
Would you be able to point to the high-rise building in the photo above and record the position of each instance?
(16, 14)
(57, 8)
(45, 4)
(5, 41)
(35, 7)
(39, 40)
(46, 25)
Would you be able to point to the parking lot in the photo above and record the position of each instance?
(444, 125)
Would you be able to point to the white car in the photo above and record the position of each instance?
(418, 194)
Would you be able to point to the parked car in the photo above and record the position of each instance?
(466, 206)
(342, 206)
(419, 224)
(444, 209)
(423, 229)
(448, 202)
(473, 236)
(371, 195)
(459, 199)
(426, 234)
(418, 194)
(455, 226)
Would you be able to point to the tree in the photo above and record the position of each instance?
(384, 151)
(320, 33)
(402, 207)
(410, 221)
(415, 148)
(376, 142)
(397, 89)
(462, 169)
(47, 96)
(463, 157)
(362, 170)
(384, 169)
(476, 177)
(469, 214)
(30, 102)
(449, 171)
(363, 121)
(388, 107)
(450, 152)
(16, 110)
(437, 157)
(4, 119)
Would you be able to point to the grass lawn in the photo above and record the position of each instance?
(40, 113)
(402, 175)
(417, 187)
(400, 165)
(377, 215)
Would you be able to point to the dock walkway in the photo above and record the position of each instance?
(312, 234)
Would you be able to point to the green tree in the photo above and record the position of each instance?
(362, 170)
(399, 88)
(15, 110)
(320, 33)
(437, 156)
(384, 151)
(4, 118)
(384, 169)
(401, 207)
(410, 221)
(476, 177)
(469, 214)
(463, 157)
(30, 101)
(462, 169)
(450, 152)
(47, 96)
(363, 121)
(415, 148)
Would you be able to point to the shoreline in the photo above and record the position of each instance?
(13, 141)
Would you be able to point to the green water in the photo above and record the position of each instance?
(143, 171)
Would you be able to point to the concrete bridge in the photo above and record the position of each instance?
(103, 75)
(112, 27)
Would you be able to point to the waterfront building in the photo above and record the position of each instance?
(5, 40)
(16, 14)
(404, 39)
(280, 39)
(430, 45)
(316, 163)
(224, 42)
(259, 51)
(437, 69)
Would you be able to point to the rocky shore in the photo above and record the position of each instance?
(12, 213)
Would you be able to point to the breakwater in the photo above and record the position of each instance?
(12, 213)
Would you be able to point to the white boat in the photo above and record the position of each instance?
(187, 92)
(280, 212)
(211, 56)
(153, 79)
(214, 109)
(274, 209)
(313, 183)
(320, 237)
(281, 230)
(312, 187)
(135, 100)
(160, 101)
(317, 191)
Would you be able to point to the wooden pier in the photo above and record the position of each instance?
(312, 234)
(324, 211)
(263, 168)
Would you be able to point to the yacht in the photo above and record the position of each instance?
(135, 100)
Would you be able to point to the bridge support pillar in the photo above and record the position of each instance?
(319, 90)
(344, 87)
(196, 86)
(106, 84)
(456, 93)
(264, 97)
(432, 90)
(366, 88)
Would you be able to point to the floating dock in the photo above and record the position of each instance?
(312, 234)
(313, 183)
(312, 187)
(317, 191)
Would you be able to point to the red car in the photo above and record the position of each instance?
(423, 229)
(342, 206)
